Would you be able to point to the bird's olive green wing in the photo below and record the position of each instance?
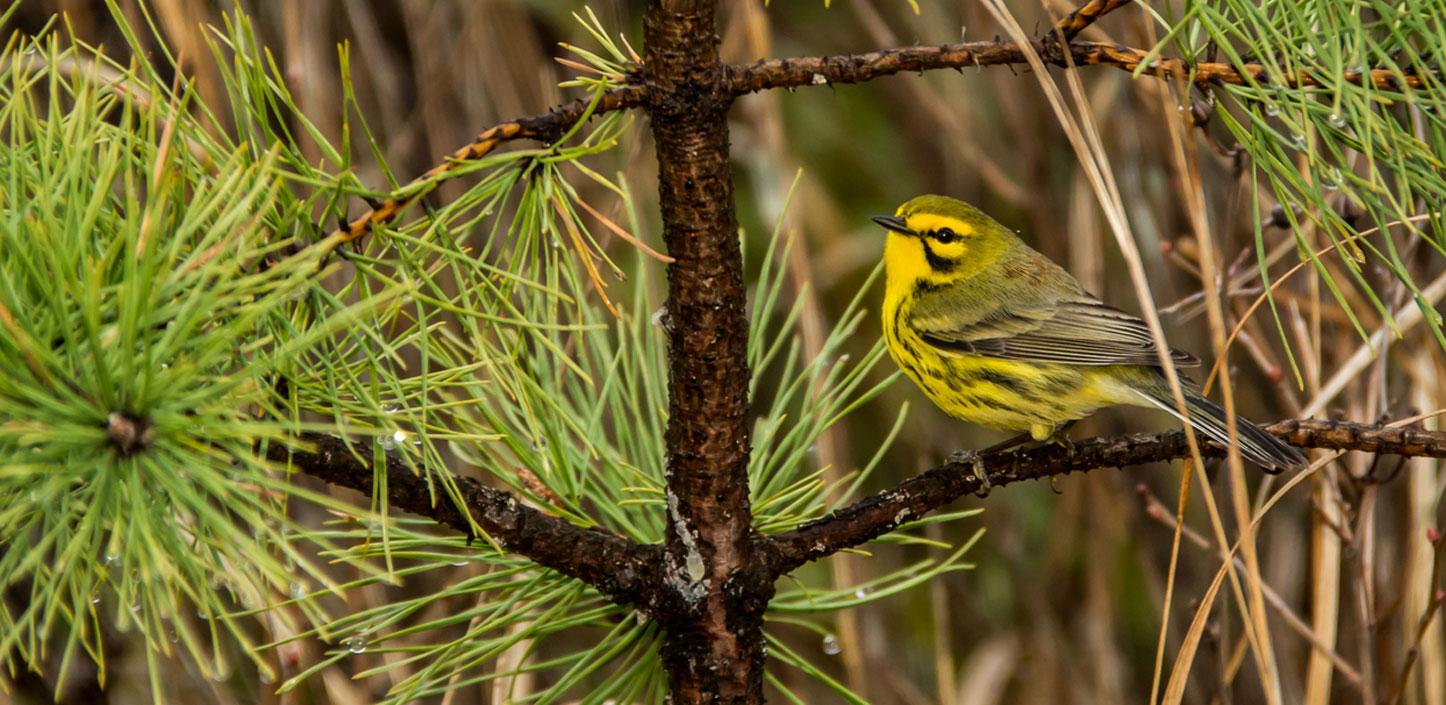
(1072, 328)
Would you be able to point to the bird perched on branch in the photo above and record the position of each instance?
(996, 334)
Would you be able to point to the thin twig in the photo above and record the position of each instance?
(1433, 607)
(1075, 22)
(545, 127)
(1157, 511)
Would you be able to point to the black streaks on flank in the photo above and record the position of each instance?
(1058, 385)
(1004, 381)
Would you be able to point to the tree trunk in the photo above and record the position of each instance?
(715, 649)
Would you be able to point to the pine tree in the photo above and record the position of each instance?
(206, 314)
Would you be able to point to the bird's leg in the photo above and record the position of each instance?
(976, 467)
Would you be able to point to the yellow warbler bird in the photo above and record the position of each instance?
(996, 334)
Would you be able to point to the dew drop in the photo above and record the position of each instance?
(1336, 121)
(297, 589)
(354, 644)
(861, 593)
(1272, 111)
(1298, 140)
(831, 645)
(391, 408)
(109, 558)
(390, 441)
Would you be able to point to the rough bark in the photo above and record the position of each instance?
(714, 651)
(617, 567)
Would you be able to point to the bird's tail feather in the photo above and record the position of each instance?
(1208, 418)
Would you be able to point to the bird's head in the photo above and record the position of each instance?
(939, 240)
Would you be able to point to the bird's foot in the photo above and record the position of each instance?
(976, 466)
(1060, 437)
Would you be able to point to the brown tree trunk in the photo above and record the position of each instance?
(714, 650)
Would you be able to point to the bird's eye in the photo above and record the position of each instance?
(945, 235)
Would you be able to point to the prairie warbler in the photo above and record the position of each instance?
(996, 334)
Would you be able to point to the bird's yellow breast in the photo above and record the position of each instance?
(1010, 395)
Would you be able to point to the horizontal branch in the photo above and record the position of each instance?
(742, 79)
(858, 68)
(874, 516)
(623, 570)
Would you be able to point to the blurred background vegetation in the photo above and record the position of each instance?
(1064, 602)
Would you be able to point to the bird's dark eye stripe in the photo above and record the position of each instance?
(941, 265)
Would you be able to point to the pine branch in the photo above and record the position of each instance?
(742, 79)
(545, 127)
(874, 516)
(858, 68)
(623, 570)
(630, 573)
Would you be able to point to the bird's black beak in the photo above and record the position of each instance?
(894, 223)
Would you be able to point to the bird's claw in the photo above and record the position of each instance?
(1060, 438)
(976, 466)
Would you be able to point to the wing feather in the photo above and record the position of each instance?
(1076, 329)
